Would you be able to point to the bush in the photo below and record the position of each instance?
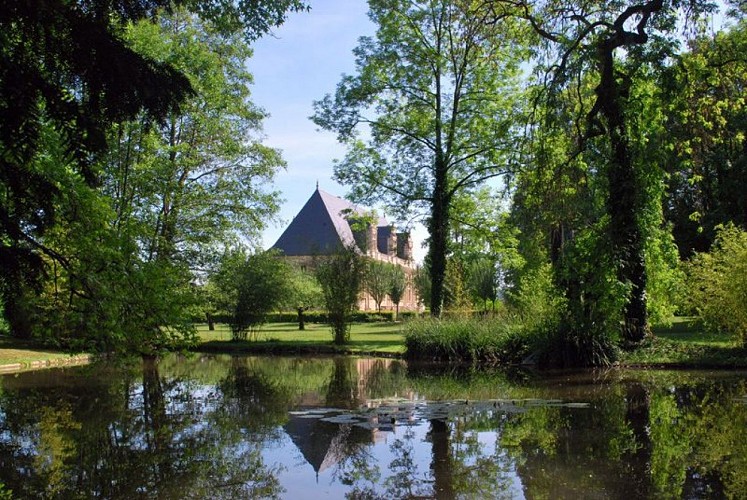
(717, 283)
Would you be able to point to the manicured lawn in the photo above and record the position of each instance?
(14, 352)
(686, 344)
(381, 337)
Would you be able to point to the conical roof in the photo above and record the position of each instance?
(321, 226)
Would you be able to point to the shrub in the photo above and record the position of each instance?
(717, 283)
(341, 278)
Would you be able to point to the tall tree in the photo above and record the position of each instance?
(436, 91)
(66, 65)
(585, 40)
(707, 129)
(196, 180)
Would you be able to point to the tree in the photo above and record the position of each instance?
(436, 88)
(262, 284)
(303, 294)
(422, 283)
(376, 281)
(482, 278)
(66, 66)
(718, 283)
(707, 116)
(585, 40)
(397, 286)
(341, 276)
(194, 183)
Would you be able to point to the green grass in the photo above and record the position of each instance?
(14, 352)
(384, 337)
(685, 343)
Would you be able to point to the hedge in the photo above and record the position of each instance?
(310, 317)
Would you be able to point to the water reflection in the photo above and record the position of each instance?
(228, 427)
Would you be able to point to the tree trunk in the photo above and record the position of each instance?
(301, 324)
(438, 228)
(624, 201)
(210, 322)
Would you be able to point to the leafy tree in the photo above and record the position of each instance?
(195, 180)
(585, 40)
(437, 89)
(718, 283)
(455, 293)
(377, 280)
(262, 284)
(304, 293)
(66, 66)
(482, 279)
(707, 120)
(422, 283)
(397, 286)
(221, 290)
(341, 276)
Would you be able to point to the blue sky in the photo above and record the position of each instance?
(301, 63)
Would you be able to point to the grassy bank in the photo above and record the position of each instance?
(18, 355)
(686, 344)
(683, 344)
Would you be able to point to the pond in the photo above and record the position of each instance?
(258, 427)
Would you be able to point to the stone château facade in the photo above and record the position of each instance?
(327, 222)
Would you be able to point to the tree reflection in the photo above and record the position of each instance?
(110, 436)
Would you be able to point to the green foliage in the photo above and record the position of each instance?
(717, 283)
(705, 139)
(377, 280)
(482, 278)
(438, 88)
(422, 284)
(262, 284)
(187, 187)
(536, 300)
(397, 285)
(666, 278)
(456, 295)
(341, 276)
(70, 67)
(5, 494)
(304, 292)
(473, 340)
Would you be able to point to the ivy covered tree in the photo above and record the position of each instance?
(584, 43)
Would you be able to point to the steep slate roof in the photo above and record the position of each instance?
(320, 227)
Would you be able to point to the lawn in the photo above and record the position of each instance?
(16, 355)
(383, 337)
(686, 344)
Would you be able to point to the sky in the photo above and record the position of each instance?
(302, 61)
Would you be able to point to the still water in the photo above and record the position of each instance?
(259, 427)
